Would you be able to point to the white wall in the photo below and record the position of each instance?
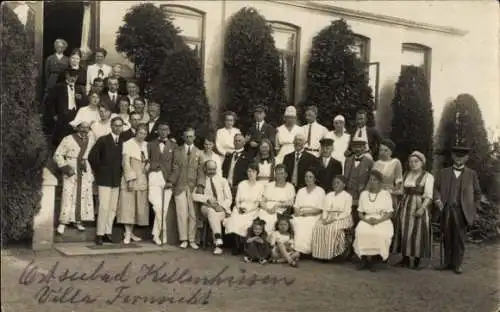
(460, 64)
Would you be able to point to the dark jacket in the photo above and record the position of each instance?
(306, 161)
(357, 176)
(163, 161)
(114, 107)
(153, 134)
(105, 158)
(326, 174)
(127, 135)
(122, 85)
(374, 139)
(470, 191)
(240, 168)
(266, 132)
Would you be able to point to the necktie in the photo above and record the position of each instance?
(116, 140)
(257, 126)
(236, 156)
(295, 174)
(212, 186)
(325, 162)
(71, 87)
(309, 135)
(113, 98)
(458, 169)
(360, 158)
(143, 156)
(189, 150)
(359, 133)
(100, 73)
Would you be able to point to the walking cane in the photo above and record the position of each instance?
(162, 211)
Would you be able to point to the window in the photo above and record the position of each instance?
(286, 38)
(417, 55)
(361, 48)
(191, 23)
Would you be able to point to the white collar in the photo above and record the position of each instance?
(239, 151)
(112, 93)
(188, 146)
(59, 55)
(153, 120)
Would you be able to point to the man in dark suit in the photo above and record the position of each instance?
(161, 155)
(110, 96)
(154, 120)
(235, 165)
(298, 162)
(63, 102)
(116, 72)
(368, 134)
(258, 131)
(457, 194)
(135, 120)
(105, 158)
(329, 166)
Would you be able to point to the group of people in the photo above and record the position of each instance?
(272, 195)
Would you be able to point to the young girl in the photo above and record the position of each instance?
(256, 247)
(282, 243)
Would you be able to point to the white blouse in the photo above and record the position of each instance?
(93, 73)
(265, 169)
(285, 137)
(102, 128)
(315, 199)
(86, 114)
(374, 205)
(411, 180)
(274, 195)
(132, 148)
(224, 140)
(249, 196)
(318, 132)
(340, 145)
(340, 204)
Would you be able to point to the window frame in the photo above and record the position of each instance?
(365, 54)
(417, 47)
(182, 10)
(295, 53)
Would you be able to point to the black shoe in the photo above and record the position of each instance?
(404, 263)
(363, 264)
(107, 238)
(416, 264)
(443, 267)
(99, 240)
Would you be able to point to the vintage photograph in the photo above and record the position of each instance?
(226, 155)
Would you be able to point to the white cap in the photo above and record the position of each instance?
(339, 118)
(290, 111)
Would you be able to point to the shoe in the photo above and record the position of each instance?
(247, 259)
(362, 265)
(99, 240)
(157, 240)
(372, 267)
(416, 264)
(194, 245)
(404, 263)
(184, 245)
(219, 242)
(294, 264)
(443, 267)
(218, 251)
(60, 229)
(263, 261)
(126, 239)
(135, 238)
(107, 238)
(164, 240)
(458, 270)
(79, 227)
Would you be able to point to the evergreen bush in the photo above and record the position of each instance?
(252, 70)
(147, 38)
(24, 149)
(337, 81)
(413, 123)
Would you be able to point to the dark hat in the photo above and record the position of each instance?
(388, 143)
(259, 108)
(326, 142)
(460, 150)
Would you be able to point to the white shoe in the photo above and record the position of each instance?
(218, 251)
(164, 238)
(135, 238)
(219, 242)
(184, 245)
(157, 240)
(79, 227)
(60, 229)
(194, 246)
(126, 239)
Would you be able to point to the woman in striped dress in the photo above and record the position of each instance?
(413, 236)
(329, 239)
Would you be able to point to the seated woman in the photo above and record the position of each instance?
(256, 244)
(374, 231)
(248, 198)
(308, 207)
(329, 239)
(279, 196)
(282, 243)
(266, 161)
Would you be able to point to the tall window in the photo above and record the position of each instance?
(362, 48)
(286, 37)
(191, 23)
(417, 55)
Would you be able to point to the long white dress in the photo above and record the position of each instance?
(224, 140)
(371, 240)
(340, 145)
(274, 195)
(303, 226)
(76, 203)
(249, 197)
(87, 114)
(284, 141)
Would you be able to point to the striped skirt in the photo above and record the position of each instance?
(413, 235)
(329, 240)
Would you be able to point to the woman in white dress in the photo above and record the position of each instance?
(123, 106)
(374, 231)
(71, 156)
(279, 196)
(89, 113)
(246, 207)
(340, 139)
(224, 138)
(391, 170)
(103, 126)
(286, 133)
(208, 154)
(308, 207)
(266, 162)
(329, 237)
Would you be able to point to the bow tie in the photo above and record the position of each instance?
(164, 141)
(358, 158)
(458, 169)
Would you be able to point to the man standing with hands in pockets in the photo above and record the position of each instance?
(161, 151)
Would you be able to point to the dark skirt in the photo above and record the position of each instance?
(257, 251)
(413, 235)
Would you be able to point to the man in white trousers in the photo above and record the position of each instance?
(105, 158)
(215, 198)
(161, 152)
